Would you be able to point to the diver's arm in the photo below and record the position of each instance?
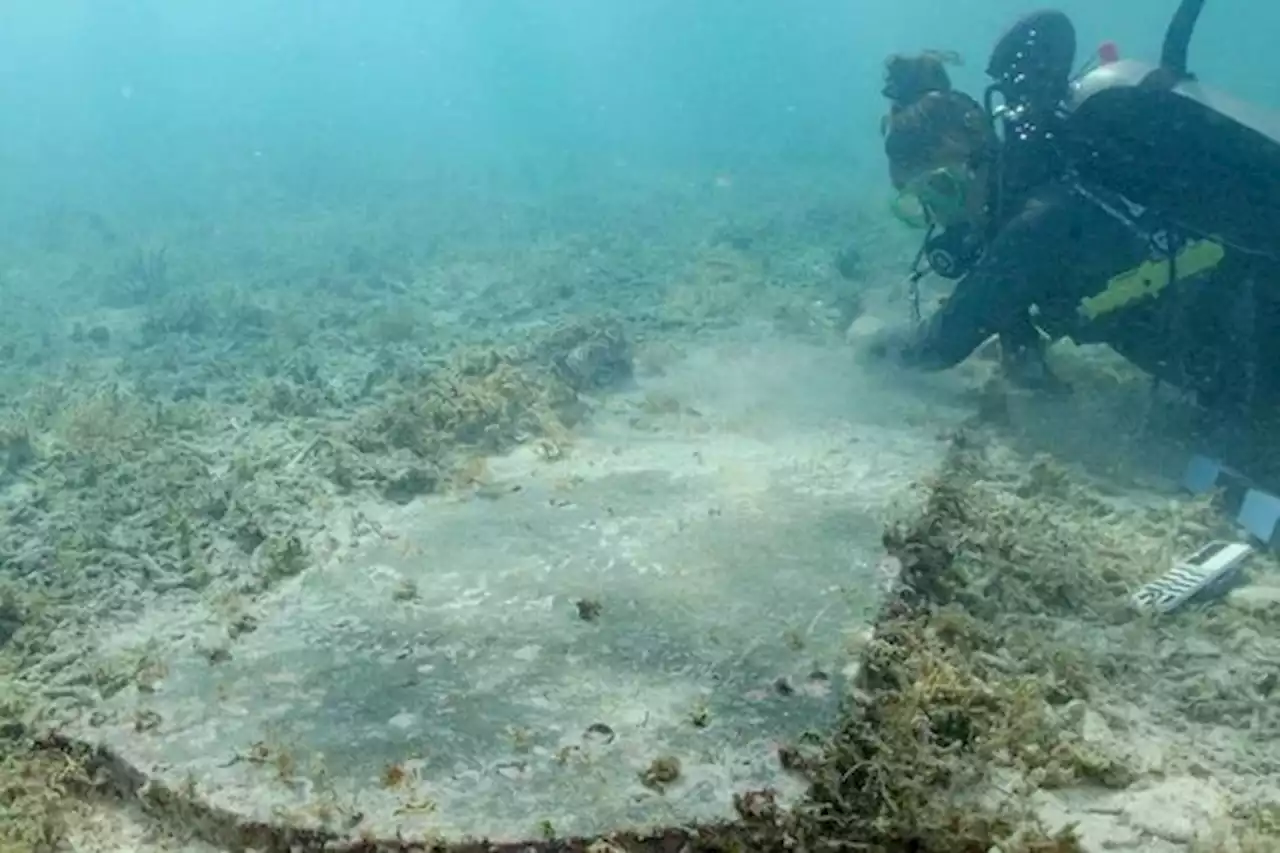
(995, 297)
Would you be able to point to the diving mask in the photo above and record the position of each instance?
(937, 197)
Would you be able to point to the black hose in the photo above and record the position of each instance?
(1177, 39)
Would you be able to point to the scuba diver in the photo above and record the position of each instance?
(1127, 206)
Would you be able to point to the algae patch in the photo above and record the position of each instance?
(37, 791)
(435, 422)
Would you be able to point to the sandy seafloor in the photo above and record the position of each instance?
(208, 422)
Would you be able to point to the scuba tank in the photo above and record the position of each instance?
(1199, 159)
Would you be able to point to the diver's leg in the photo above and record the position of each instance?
(1231, 401)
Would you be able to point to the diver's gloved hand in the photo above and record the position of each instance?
(875, 340)
(1028, 368)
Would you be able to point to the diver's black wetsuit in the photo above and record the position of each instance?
(1216, 334)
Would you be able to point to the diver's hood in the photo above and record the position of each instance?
(1033, 61)
(1207, 162)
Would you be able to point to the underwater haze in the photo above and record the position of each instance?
(160, 107)
(424, 421)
